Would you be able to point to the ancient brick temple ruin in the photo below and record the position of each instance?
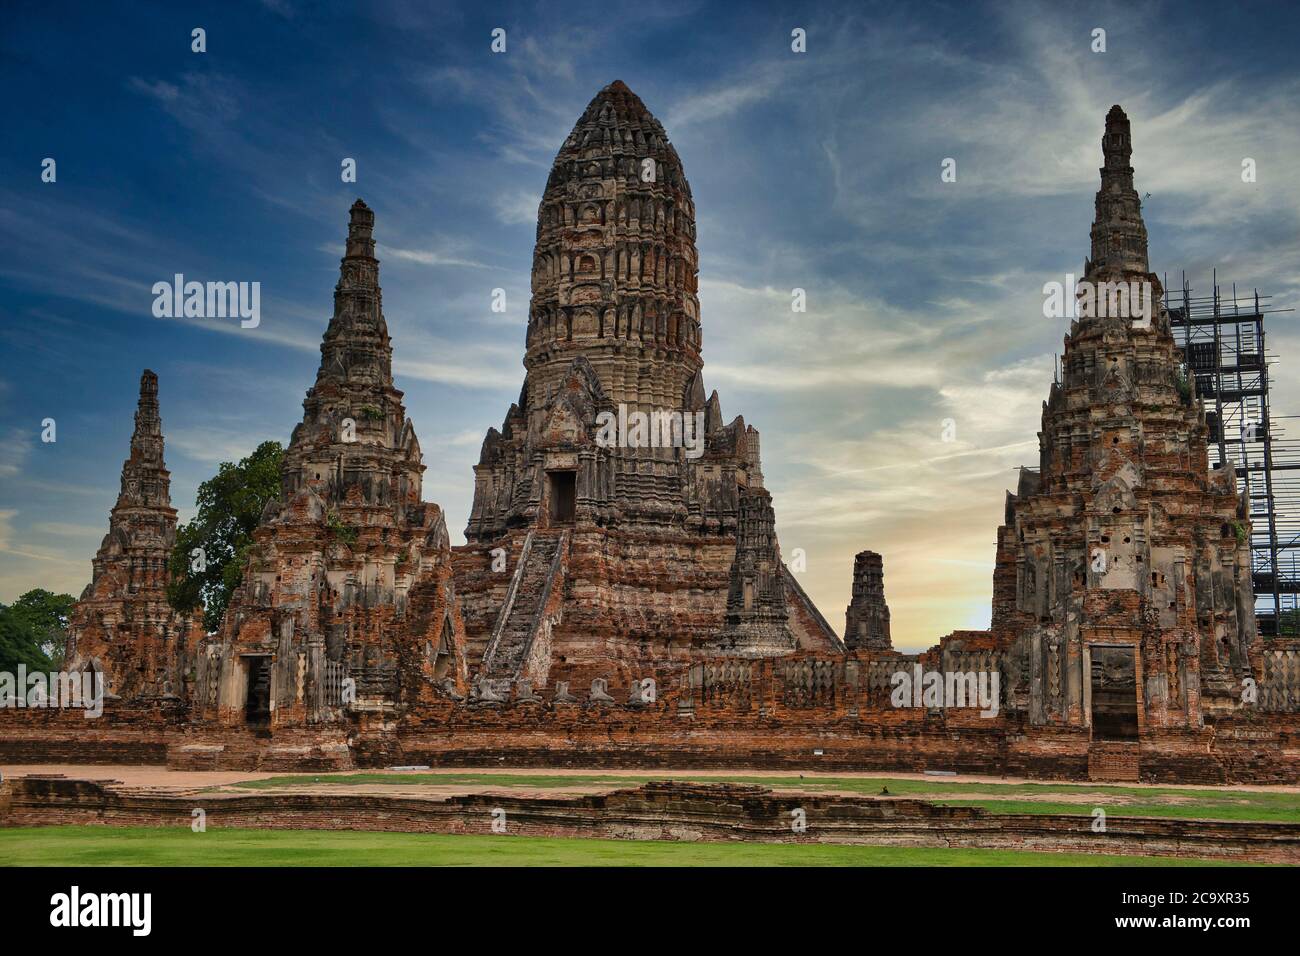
(621, 599)
(1123, 581)
(348, 593)
(635, 553)
(122, 626)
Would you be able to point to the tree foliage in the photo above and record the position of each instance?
(230, 504)
(32, 631)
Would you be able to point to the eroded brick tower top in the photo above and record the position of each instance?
(355, 436)
(146, 483)
(866, 622)
(615, 268)
(1119, 236)
(142, 524)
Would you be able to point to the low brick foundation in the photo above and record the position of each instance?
(240, 749)
(655, 811)
(1263, 750)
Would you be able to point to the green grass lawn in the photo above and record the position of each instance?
(178, 846)
(1117, 800)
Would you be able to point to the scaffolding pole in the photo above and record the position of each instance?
(1224, 351)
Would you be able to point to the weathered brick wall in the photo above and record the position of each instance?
(297, 750)
(126, 733)
(741, 714)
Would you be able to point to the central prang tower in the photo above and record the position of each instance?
(613, 325)
(620, 551)
(615, 266)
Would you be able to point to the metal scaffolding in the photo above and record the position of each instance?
(1224, 348)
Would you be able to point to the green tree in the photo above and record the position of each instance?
(32, 630)
(1288, 624)
(230, 504)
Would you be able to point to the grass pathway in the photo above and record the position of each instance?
(178, 846)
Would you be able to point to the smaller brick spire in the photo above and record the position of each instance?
(757, 614)
(354, 434)
(361, 227)
(356, 349)
(866, 622)
(122, 625)
(146, 482)
(1119, 236)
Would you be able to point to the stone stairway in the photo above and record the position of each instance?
(538, 575)
(1115, 760)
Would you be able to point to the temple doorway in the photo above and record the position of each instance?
(257, 704)
(563, 496)
(1114, 693)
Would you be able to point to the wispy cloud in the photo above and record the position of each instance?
(720, 102)
(428, 257)
(518, 207)
(14, 450)
(213, 445)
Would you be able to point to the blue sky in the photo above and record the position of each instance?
(816, 170)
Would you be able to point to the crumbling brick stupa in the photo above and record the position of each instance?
(1123, 571)
(628, 554)
(347, 607)
(122, 626)
(866, 621)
